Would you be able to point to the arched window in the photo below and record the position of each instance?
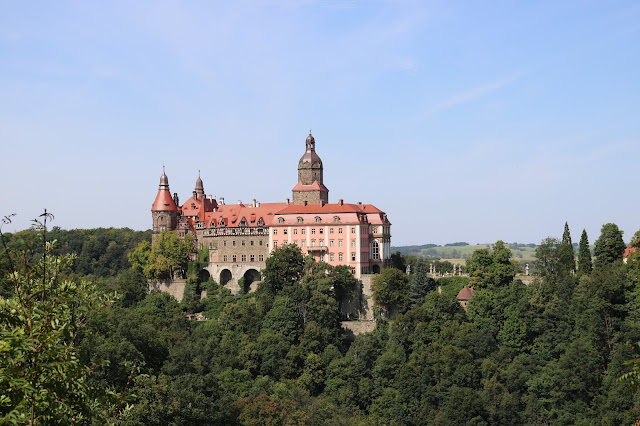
(318, 219)
(280, 220)
(375, 250)
(299, 219)
(336, 219)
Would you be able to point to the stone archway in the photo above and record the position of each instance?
(251, 278)
(225, 277)
(204, 275)
(375, 269)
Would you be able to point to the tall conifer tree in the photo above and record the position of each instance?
(566, 255)
(584, 254)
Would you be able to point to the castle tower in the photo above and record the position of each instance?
(164, 211)
(310, 187)
(198, 193)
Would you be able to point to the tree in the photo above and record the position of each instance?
(610, 246)
(391, 290)
(283, 268)
(584, 255)
(420, 284)
(566, 254)
(168, 257)
(41, 376)
(491, 269)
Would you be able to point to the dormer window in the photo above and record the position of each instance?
(222, 222)
(318, 219)
(336, 219)
(213, 224)
(260, 222)
(243, 222)
(193, 206)
(299, 219)
(280, 220)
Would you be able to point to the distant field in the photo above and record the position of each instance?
(519, 251)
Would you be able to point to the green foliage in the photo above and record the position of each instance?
(391, 290)
(420, 284)
(610, 246)
(284, 267)
(167, 258)
(584, 255)
(41, 376)
(491, 269)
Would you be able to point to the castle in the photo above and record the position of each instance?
(241, 236)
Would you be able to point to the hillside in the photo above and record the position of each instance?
(460, 251)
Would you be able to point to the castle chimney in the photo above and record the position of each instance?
(221, 201)
(340, 201)
(287, 201)
(254, 203)
(360, 204)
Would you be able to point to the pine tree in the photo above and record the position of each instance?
(566, 255)
(420, 284)
(584, 255)
(610, 246)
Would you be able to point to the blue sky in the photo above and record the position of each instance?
(464, 121)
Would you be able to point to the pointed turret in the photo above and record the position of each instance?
(164, 211)
(199, 185)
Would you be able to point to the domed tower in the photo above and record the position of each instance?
(310, 187)
(164, 211)
(199, 191)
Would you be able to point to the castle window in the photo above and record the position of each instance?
(252, 258)
(193, 205)
(353, 230)
(295, 232)
(234, 258)
(321, 257)
(244, 242)
(260, 222)
(336, 219)
(313, 243)
(261, 257)
(161, 218)
(302, 231)
(280, 220)
(331, 230)
(353, 243)
(260, 242)
(275, 244)
(339, 230)
(318, 219)
(375, 250)
(224, 258)
(321, 243)
(353, 256)
(313, 230)
(244, 257)
(302, 243)
(284, 231)
(340, 257)
(339, 243)
(243, 222)
(275, 232)
(224, 243)
(299, 220)
(233, 243)
(331, 257)
(331, 243)
(251, 243)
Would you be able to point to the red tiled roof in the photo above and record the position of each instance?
(233, 214)
(315, 186)
(329, 208)
(628, 251)
(466, 293)
(164, 202)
